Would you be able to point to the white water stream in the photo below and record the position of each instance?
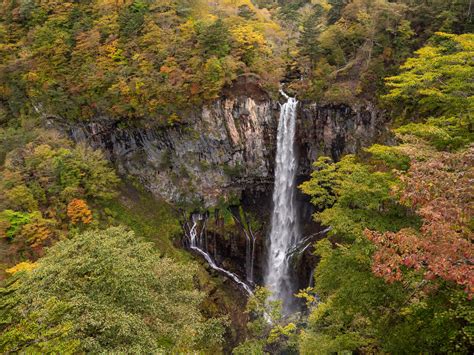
(195, 243)
(284, 233)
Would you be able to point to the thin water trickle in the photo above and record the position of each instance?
(195, 243)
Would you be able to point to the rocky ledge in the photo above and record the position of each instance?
(228, 145)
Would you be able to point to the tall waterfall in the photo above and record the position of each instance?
(284, 226)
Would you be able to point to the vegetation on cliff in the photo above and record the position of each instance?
(129, 59)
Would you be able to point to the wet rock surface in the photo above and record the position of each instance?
(335, 130)
(216, 152)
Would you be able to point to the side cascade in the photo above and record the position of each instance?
(250, 240)
(198, 243)
(284, 235)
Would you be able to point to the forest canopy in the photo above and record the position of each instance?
(104, 291)
(156, 59)
(129, 59)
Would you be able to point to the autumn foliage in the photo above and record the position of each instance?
(131, 59)
(38, 233)
(79, 212)
(44, 184)
(440, 190)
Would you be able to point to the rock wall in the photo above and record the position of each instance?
(335, 130)
(226, 147)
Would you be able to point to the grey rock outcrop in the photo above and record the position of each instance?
(335, 130)
(227, 146)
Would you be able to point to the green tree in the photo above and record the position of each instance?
(432, 90)
(246, 12)
(354, 308)
(352, 197)
(434, 81)
(132, 18)
(269, 330)
(312, 26)
(105, 291)
(214, 39)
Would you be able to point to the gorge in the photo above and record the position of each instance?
(230, 168)
(236, 177)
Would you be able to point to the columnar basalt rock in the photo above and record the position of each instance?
(335, 130)
(216, 152)
(227, 146)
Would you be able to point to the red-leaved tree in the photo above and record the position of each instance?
(440, 190)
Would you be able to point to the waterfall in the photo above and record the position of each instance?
(284, 225)
(249, 255)
(196, 244)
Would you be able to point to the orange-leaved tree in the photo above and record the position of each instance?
(79, 212)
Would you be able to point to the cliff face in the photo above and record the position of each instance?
(213, 153)
(334, 131)
(227, 146)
